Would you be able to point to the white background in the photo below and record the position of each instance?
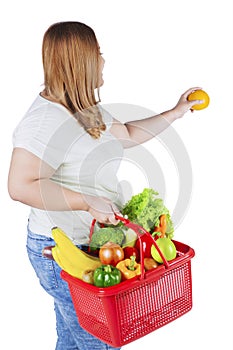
(154, 51)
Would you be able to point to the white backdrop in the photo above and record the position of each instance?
(154, 51)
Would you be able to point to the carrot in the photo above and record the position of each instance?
(162, 225)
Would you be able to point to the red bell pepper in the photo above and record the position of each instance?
(146, 244)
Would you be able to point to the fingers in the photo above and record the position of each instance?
(189, 91)
(190, 104)
(103, 210)
(196, 102)
(112, 218)
(184, 105)
(109, 219)
(115, 209)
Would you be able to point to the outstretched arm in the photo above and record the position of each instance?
(139, 131)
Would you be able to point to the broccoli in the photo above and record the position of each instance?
(106, 234)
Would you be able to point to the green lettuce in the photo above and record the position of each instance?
(145, 210)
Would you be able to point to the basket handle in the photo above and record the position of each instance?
(140, 231)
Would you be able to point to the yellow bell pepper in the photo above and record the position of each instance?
(129, 268)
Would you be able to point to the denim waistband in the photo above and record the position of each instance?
(35, 236)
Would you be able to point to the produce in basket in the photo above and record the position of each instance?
(129, 251)
(106, 276)
(129, 268)
(106, 234)
(88, 276)
(111, 253)
(130, 238)
(167, 247)
(150, 264)
(69, 257)
(145, 209)
(147, 244)
(165, 244)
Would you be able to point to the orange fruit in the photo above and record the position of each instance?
(199, 95)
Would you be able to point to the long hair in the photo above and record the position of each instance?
(70, 54)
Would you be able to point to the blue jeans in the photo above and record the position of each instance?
(70, 335)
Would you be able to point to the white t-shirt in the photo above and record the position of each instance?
(81, 163)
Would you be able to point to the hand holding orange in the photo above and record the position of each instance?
(199, 95)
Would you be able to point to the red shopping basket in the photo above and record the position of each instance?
(125, 312)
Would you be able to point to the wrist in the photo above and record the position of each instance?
(171, 115)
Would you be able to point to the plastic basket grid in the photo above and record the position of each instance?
(155, 304)
(125, 315)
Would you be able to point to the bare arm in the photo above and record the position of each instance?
(29, 182)
(139, 131)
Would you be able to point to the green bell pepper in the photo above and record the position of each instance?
(106, 276)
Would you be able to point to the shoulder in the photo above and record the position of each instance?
(45, 109)
(46, 130)
(42, 117)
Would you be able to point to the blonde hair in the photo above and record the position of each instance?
(70, 54)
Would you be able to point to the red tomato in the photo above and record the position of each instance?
(129, 251)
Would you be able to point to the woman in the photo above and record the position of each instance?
(66, 151)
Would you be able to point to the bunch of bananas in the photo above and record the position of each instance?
(69, 257)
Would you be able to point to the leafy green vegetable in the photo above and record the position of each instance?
(106, 234)
(145, 210)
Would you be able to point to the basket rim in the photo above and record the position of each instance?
(186, 253)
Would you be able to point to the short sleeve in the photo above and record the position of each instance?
(47, 131)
